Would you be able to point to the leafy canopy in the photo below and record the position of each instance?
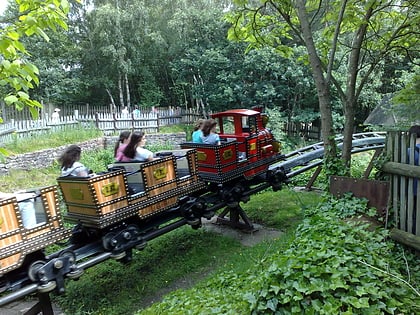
(17, 73)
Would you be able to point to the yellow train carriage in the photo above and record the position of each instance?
(28, 225)
(94, 200)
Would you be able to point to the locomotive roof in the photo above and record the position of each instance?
(241, 112)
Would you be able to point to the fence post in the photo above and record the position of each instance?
(114, 117)
(97, 120)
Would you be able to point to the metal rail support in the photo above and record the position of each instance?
(236, 213)
(43, 305)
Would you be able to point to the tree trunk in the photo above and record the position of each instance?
(127, 91)
(111, 98)
(121, 92)
(320, 83)
(350, 100)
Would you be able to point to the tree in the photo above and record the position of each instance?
(17, 73)
(340, 36)
(407, 101)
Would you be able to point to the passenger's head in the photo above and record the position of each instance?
(199, 124)
(123, 138)
(70, 155)
(415, 130)
(208, 125)
(136, 140)
(124, 135)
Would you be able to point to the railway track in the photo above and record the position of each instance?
(89, 255)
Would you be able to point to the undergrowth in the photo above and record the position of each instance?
(333, 266)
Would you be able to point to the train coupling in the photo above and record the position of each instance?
(276, 178)
(120, 242)
(192, 209)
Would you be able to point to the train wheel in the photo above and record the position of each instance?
(34, 268)
(49, 286)
(36, 276)
(107, 241)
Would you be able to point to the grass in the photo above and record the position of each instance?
(27, 179)
(52, 139)
(263, 207)
(178, 259)
(69, 135)
(114, 288)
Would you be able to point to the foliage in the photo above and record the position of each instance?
(406, 101)
(332, 267)
(98, 160)
(336, 36)
(18, 74)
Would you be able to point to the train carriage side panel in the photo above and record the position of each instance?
(133, 175)
(159, 183)
(94, 196)
(160, 177)
(215, 160)
(188, 179)
(11, 235)
(18, 240)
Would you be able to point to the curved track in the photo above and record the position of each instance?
(303, 159)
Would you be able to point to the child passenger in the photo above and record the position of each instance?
(209, 135)
(196, 135)
(70, 165)
(122, 142)
(135, 150)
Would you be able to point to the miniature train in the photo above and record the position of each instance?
(121, 209)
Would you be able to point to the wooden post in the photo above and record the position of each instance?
(406, 238)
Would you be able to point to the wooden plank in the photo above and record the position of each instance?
(377, 192)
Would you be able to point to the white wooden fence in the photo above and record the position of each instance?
(110, 123)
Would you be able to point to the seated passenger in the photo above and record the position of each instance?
(135, 151)
(196, 135)
(26, 207)
(121, 144)
(209, 135)
(70, 165)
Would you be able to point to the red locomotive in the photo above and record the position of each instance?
(247, 147)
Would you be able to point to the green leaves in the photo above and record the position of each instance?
(331, 267)
(17, 73)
